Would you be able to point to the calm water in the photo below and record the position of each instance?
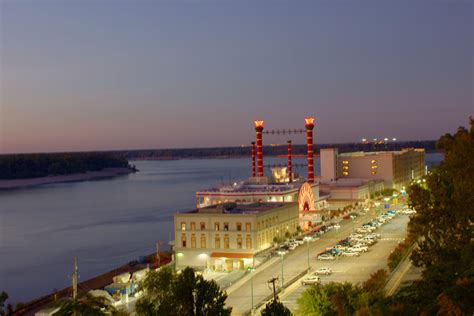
(104, 223)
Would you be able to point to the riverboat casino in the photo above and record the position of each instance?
(232, 224)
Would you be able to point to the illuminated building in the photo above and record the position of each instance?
(227, 237)
(395, 168)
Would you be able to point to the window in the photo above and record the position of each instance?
(345, 162)
(248, 227)
(183, 240)
(248, 243)
(226, 242)
(183, 226)
(239, 242)
(193, 226)
(193, 241)
(217, 227)
(239, 226)
(226, 226)
(203, 241)
(217, 242)
(345, 173)
(203, 226)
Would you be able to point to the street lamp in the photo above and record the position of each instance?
(307, 238)
(251, 270)
(281, 253)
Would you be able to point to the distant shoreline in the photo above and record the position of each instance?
(10, 184)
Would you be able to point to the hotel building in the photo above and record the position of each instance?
(228, 236)
(395, 168)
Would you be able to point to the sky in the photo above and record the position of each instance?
(113, 74)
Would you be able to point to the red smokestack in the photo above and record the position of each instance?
(259, 130)
(289, 161)
(309, 142)
(253, 159)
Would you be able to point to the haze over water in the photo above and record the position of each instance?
(104, 223)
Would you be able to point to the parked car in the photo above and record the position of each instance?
(325, 270)
(350, 254)
(362, 230)
(326, 256)
(297, 241)
(337, 226)
(359, 248)
(311, 279)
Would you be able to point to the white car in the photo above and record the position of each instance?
(309, 280)
(350, 254)
(326, 256)
(296, 241)
(292, 246)
(325, 270)
(359, 248)
(337, 226)
(362, 230)
(374, 236)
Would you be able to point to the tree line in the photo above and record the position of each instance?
(24, 166)
(245, 151)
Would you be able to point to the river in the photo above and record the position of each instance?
(104, 223)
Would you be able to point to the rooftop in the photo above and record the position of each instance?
(232, 208)
(245, 187)
(375, 153)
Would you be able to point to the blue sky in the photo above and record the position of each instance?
(98, 75)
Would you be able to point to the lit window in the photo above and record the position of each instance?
(226, 226)
(226, 242)
(203, 241)
(239, 226)
(345, 173)
(345, 167)
(193, 226)
(248, 227)
(193, 241)
(183, 241)
(374, 167)
(239, 242)
(217, 242)
(183, 226)
(248, 242)
(373, 161)
(374, 172)
(345, 162)
(217, 227)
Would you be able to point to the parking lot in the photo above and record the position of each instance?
(357, 269)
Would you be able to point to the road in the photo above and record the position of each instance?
(345, 269)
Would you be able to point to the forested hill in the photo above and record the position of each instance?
(245, 151)
(24, 166)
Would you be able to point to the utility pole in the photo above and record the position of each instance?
(75, 277)
(158, 258)
(272, 281)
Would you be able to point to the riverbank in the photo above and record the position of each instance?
(87, 176)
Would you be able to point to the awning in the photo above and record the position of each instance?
(232, 255)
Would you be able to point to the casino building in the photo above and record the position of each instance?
(232, 224)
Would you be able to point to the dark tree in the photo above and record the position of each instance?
(185, 294)
(275, 308)
(444, 229)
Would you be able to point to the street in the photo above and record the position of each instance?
(344, 269)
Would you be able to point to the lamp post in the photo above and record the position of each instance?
(307, 247)
(281, 253)
(251, 270)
